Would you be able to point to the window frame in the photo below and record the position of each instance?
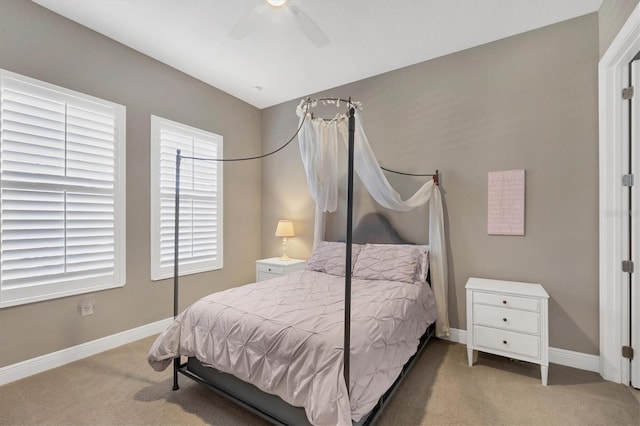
(70, 287)
(157, 271)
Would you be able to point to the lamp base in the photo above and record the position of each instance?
(284, 250)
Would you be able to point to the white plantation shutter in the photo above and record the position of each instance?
(61, 192)
(200, 247)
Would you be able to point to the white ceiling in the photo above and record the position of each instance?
(276, 63)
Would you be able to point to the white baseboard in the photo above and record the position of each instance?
(46, 362)
(558, 356)
(575, 359)
(456, 335)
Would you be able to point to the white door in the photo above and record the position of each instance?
(635, 226)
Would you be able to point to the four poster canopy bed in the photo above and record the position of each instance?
(330, 344)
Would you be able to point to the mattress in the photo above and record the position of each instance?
(285, 336)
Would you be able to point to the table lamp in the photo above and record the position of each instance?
(285, 230)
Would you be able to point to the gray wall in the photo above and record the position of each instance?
(612, 16)
(528, 101)
(43, 45)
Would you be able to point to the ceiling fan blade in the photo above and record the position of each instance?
(308, 27)
(248, 23)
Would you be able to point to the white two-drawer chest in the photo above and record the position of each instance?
(275, 267)
(508, 318)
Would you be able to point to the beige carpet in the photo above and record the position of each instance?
(119, 388)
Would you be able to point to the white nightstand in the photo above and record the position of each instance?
(274, 267)
(510, 319)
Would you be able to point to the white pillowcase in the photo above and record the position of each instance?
(423, 264)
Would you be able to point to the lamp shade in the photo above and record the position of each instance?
(285, 229)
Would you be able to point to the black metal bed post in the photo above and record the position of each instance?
(176, 249)
(347, 275)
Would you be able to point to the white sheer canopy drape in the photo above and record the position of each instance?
(318, 140)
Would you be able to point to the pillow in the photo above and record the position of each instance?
(392, 262)
(329, 257)
(423, 264)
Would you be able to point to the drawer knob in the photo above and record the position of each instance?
(269, 269)
(504, 342)
(504, 319)
(504, 302)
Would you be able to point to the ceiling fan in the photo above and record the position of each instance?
(307, 26)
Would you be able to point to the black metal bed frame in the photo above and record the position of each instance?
(182, 368)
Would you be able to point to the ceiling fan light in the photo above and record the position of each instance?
(276, 3)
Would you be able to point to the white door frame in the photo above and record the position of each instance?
(613, 160)
(634, 376)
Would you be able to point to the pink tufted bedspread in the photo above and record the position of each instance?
(285, 336)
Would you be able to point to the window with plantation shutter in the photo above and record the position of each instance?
(61, 192)
(200, 247)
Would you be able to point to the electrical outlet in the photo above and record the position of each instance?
(86, 310)
(86, 305)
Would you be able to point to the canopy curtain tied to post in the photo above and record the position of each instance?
(318, 139)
